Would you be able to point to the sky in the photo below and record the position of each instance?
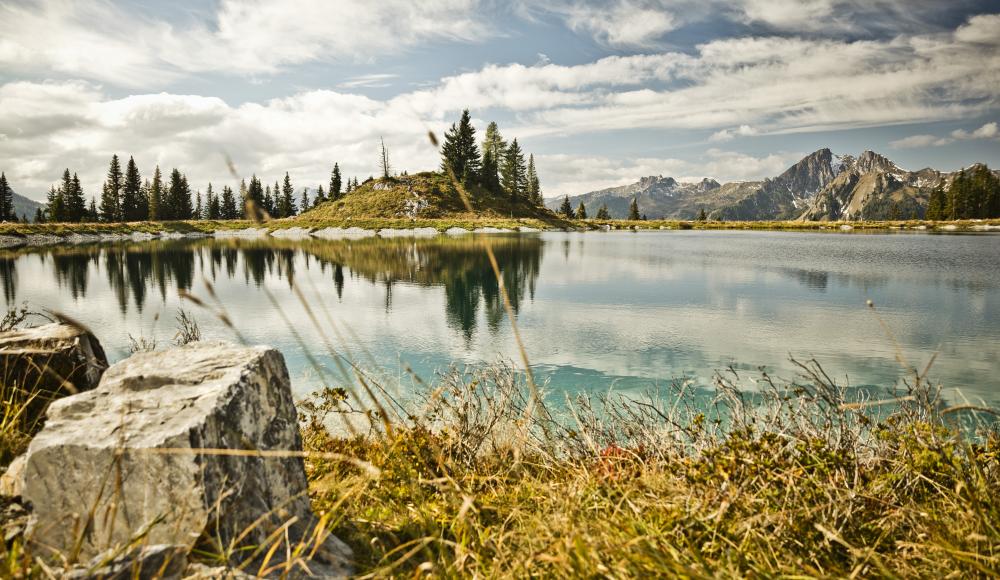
(601, 93)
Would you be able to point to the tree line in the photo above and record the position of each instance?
(499, 169)
(126, 197)
(973, 194)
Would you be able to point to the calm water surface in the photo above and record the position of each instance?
(595, 309)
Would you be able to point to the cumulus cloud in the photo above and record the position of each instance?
(725, 88)
(988, 131)
(730, 134)
(106, 41)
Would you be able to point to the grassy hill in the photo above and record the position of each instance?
(427, 195)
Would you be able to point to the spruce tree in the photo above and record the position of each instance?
(287, 205)
(228, 209)
(54, 207)
(39, 215)
(304, 202)
(178, 198)
(156, 196)
(335, 184)
(111, 197)
(936, 204)
(581, 211)
(603, 213)
(75, 203)
(142, 211)
(92, 215)
(566, 209)
(131, 210)
(494, 148)
(198, 209)
(513, 174)
(268, 203)
(320, 196)
(255, 191)
(6, 199)
(534, 187)
(702, 216)
(460, 152)
(633, 210)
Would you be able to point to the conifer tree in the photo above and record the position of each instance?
(111, 196)
(936, 204)
(513, 174)
(320, 196)
(603, 213)
(54, 207)
(178, 203)
(494, 148)
(92, 215)
(702, 216)
(75, 209)
(534, 187)
(39, 215)
(255, 191)
(142, 212)
(581, 211)
(198, 209)
(566, 209)
(335, 184)
(304, 202)
(460, 152)
(228, 209)
(131, 205)
(6, 199)
(288, 208)
(633, 210)
(275, 200)
(268, 202)
(156, 196)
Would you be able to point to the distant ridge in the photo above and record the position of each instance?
(820, 186)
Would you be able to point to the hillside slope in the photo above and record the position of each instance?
(24, 207)
(421, 195)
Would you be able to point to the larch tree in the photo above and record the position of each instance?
(383, 161)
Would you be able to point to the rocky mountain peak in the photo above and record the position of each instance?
(810, 174)
(871, 162)
(657, 180)
(708, 184)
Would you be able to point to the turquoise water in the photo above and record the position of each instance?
(596, 310)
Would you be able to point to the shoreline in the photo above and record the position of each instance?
(36, 235)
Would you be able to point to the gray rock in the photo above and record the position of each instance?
(164, 562)
(56, 359)
(166, 448)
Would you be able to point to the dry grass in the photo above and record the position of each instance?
(796, 479)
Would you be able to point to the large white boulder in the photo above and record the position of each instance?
(166, 448)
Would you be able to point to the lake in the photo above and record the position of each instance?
(596, 310)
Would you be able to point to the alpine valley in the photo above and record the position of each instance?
(822, 187)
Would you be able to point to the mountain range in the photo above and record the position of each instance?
(24, 207)
(821, 186)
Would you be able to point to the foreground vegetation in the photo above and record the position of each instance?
(484, 481)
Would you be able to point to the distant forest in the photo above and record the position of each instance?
(500, 168)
